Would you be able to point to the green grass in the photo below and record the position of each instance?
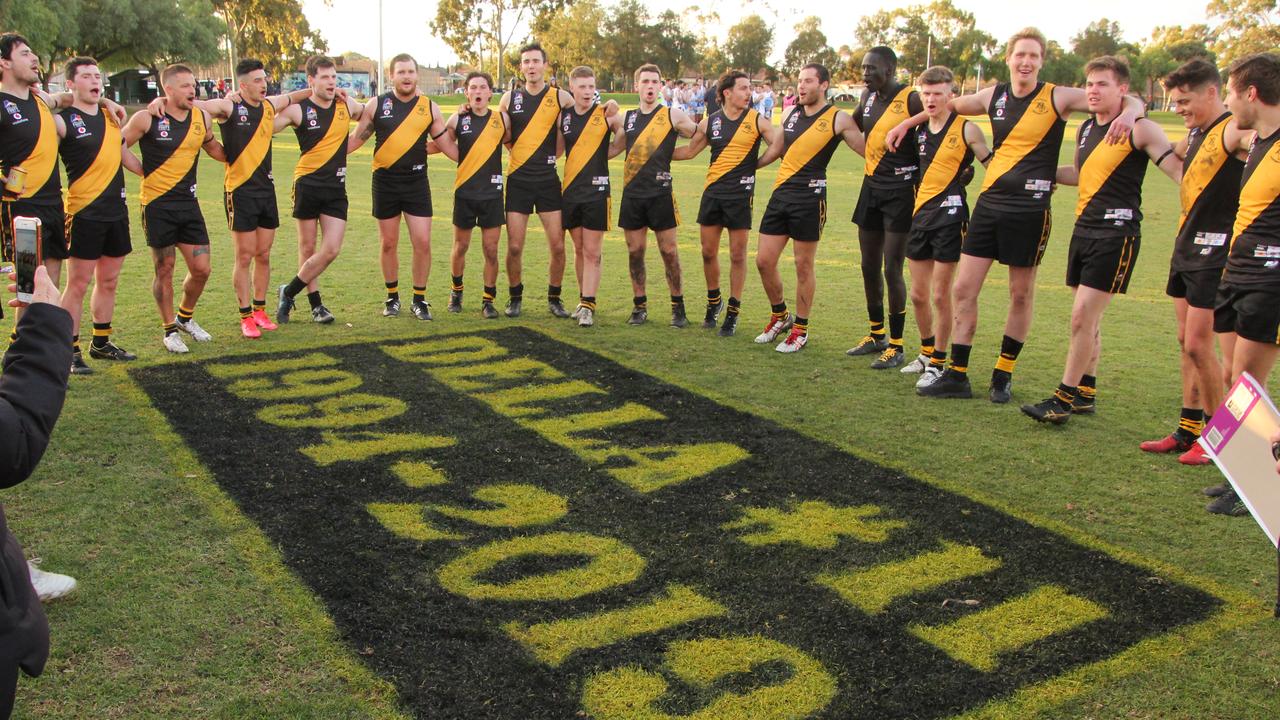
(186, 610)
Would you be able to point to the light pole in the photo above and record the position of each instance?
(382, 83)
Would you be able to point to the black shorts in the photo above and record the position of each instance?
(593, 214)
(310, 201)
(1198, 287)
(1253, 313)
(656, 213)
(167, 226)
(885, 210)
(469, 213)
(1104, 264)
(246, 213)
(1018, 239)
(53, 234)
(941, 244)
(729, 213)
(391, 197)
(801, 220)
(527, 197)
(92, 239)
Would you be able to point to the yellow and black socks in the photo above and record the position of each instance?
(260, 305)
(170, 328)
(393, 290)
(926, 346)
(246, 313)
(1008, 360)
(553, 293)
(490, 293)
(75, 344)
(185, 314)
(641, 302)
(735, 306)
(937, 358)
(101, 334)
(1088, 388)
(1064, 396)
(457, 283)
(1190, 425)
(677, 301)
(960, 359)
(295, 286)
(588, 302)
(714, 298)
(419, 293)
(875, 314)
(516, 292)
(897, 325)
(779, 311)
(801, 326)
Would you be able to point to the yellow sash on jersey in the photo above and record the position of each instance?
(593, 134)
(531, 138)
(481, 150)
(1210, 158)
(645, 145)
(178, 164)
(44, 156)
(101, 171)
(254, 152)
(405, 136)
(736, 151)
(894, 114)
(944, 165)
(1026, 136)
(1096, 170)
(323, 151)
(808, 145)
(1259, 192)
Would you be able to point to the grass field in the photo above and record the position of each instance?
(187, 610)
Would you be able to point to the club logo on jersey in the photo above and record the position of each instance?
(1002, 100)
(1040, 107)
(11, 108)
(822, 126)
(897, 108)
(565, 126)
(77, 122)
(162, 127)
(953, 142)
(313, 118)
(519, 103)
(1275, 153)
(465, 125)
(244, 112)
(1084, 133)
(386, 107)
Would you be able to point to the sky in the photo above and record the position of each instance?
(352, 25)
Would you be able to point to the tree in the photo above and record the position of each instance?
(1246, 27)
(810, 45)
(481, 31)
(1100, 37)
(625, 47)
(672, 47)
(573, 38)
(1060, 66)
(273, 31)
(938, 33)
(748, 44)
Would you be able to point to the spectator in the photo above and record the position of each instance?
(32, 389)
(789, 100)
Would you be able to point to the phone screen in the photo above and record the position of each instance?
(26, 257)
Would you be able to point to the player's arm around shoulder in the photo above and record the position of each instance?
(286, 100)
(218, 109)
(505, 103)
(364, 126)
(506, 127)
(1238, 141)
(442, 138)
(355, 109)
(129, 160)
(619, 143)
(683, 124)
(977, 142)
(137, 126)
(212, 147)
(847, 129)
(289, 117)
(60, 125)
(1150, 138)
(696, 144)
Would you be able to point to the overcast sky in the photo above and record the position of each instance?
(353, 24)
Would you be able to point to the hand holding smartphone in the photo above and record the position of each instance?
(26, 255)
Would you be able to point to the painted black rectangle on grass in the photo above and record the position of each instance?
(518, 528)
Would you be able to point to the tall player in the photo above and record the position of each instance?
(97, 222)
(171, 217)
(734, 133)
(1213, 159)
(797, 210)
(403, 121)
(320, 123)
(1011, 218)
(1248, 305)
(1107, 234)
(885, 203)
(587, 131)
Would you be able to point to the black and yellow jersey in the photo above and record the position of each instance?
(586, 146)
(808, 142)
(877, 114)
(735, 150)
(401, 130)
(1254, 259)
(533, 133)
(944, 155)
(1027, 135)
(322, 140)
(1210, 198)
(170, 153)
(651, 140)
(246, 135)
(95, 179)
(479, 155)
(29, 140)
(1109, 202)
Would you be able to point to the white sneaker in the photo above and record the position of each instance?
(916, 366)
(793, 343)
(929, 376)
(586, 318)
(196, 332)
(577, 313)
(776, 327)
(173, 343)
(50, 586)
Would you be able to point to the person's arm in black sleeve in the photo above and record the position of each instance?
(32, 389)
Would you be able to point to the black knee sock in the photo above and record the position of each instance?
(295, 286)
(875, 313)
(419, 293)
(1009, 349)
(960, 358)
(897, 324)
(314, 299)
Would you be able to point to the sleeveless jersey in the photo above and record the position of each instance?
(878, 113)
(808, 142)
(1109, 203)
(1210, 196)
(735, 149)
(651, 139)
(322, 139)
(1254, 259)
(533, 134)
(479, 156)
(29, 140)
(1027, 134)
(586, 145)
(246, 135)
(944, 155)
(401, 130)
(91, 152)
(170, 152)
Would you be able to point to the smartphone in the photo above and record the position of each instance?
(26, 255)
